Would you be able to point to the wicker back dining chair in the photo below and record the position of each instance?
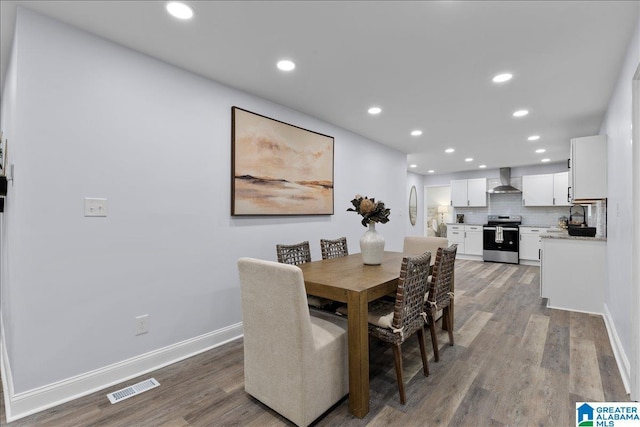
(395, 321)
(440, 294)
(296, 254)
(334, 248)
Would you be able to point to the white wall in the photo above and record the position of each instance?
(89, 118)
(617, 127)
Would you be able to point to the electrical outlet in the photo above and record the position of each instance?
(142, 324)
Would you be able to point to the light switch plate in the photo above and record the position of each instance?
(95, 207)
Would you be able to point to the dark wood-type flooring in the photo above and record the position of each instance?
(514, 363)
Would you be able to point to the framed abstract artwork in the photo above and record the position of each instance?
(278, 168)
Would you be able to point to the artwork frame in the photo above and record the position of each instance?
(278, 168)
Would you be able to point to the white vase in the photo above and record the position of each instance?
(372, 246)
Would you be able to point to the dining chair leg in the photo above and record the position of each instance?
(434, 338)
(397, 352)
(423, 352)
(449, 314)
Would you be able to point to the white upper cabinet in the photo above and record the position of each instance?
(545, 190)
(469, 192)
(589, 167)
(459, 192)
(561, 189)
(537, 190)
(477, 191)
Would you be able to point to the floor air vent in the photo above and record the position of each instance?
(125, 393)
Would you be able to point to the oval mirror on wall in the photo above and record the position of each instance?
(413, 205)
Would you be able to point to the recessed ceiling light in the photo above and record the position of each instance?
(501, 78)
(534, 138)
(430, 171)
(416, 132)
(449, 150)
(469, 159)
(179, 10)
(286, 65)
(413, 166)
(545, 160)
(540, 150)
(520, 113)
(374, 110)
(482, 166)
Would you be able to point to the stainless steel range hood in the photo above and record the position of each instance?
(505, 184)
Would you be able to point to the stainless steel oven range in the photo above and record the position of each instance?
(501, 238)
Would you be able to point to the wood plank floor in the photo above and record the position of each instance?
(514, 363)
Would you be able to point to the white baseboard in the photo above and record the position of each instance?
(550, 305)
(618, 351)
(470, 257)
(23, 404)
(5, 369)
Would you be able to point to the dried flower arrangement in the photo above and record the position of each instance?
(370, 210)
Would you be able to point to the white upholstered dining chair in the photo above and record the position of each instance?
(295, 361)
(416, 245)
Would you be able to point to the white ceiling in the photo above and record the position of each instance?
(427, 64)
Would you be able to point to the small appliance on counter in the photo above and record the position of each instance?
(563, 222)
(578, 223)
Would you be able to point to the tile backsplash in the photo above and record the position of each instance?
(511, 204)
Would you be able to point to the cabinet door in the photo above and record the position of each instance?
(455, 234)
(473, 240)
(537, 190)
(529, 246)
(477, 192)
(459, 193)
(589, 167)
(561, 189)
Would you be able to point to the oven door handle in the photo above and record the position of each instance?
(503, 228)
(489, 228)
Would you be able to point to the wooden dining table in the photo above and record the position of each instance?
(349, 280)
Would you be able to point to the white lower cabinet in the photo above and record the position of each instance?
(473, 240)
(572, 274)
(455, 234)
(467, 237)
(530, 243)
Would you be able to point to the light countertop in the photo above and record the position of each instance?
(564, 234)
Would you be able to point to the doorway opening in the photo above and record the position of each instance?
(437, 209)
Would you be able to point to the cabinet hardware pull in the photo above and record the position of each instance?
(568, 163)
(554, 201)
